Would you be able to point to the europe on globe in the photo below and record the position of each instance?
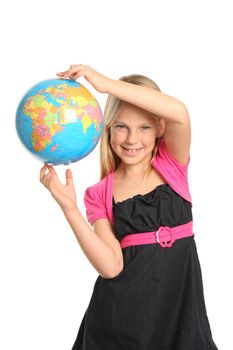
(59, 121)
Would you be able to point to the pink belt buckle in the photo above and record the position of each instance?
(165, 244)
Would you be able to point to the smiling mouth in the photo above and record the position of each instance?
(132, 150)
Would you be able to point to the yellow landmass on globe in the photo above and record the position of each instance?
(86, 122)
(47, 118)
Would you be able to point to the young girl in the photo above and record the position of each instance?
(149, 292)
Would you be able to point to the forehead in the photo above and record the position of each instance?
(130, 113)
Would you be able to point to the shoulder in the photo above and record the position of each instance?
(95, 200)
(98, 188)
(164, 155)
(174, 172)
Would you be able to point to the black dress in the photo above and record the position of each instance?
(157, 301)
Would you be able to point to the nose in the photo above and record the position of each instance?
(132, 137)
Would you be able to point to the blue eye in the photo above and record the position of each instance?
(145, 127)
(120, 126)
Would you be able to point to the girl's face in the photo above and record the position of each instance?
(133, 134)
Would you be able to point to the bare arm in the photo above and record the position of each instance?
(99, 245)
(153, 101)
(105, 256)
(178, 127)
(177, 132)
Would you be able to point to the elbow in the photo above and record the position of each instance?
(180, 115)
(184, 114)
(115, 271)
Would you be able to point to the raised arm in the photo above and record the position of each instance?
(178, 129)
(177, 132)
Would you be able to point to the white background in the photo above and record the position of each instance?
(185, 46)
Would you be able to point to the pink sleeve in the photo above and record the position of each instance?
(95, 208)
(175, 173)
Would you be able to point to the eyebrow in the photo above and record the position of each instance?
(120, 122)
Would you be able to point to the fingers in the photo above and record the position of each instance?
(69, 177)
(75, 76)
(46, 170)
(74, 65)
(74, 72)
(61, 73)
(42, 172)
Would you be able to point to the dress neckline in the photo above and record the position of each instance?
(139, 195)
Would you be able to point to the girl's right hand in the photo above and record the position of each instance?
(99, 81)
(64, 194)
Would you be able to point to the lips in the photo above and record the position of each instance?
(132, 150)
(129, 149)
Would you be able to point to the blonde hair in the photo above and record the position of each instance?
(109, 161)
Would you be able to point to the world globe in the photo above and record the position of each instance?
(59, 121)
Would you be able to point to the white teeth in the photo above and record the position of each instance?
(132, 150)
(129, 150)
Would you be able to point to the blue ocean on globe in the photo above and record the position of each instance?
(59, 121)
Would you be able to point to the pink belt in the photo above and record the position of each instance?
(165, 236)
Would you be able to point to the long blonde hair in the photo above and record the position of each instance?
(109, 161)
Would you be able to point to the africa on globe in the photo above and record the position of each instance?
(59, 121)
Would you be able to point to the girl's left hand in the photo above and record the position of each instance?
(65, 195)
(96, 79)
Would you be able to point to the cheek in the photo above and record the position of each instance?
(117, 138)
(149, 140)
